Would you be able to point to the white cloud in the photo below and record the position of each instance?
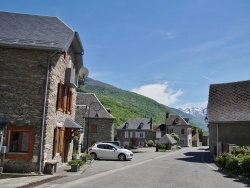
(159, 92)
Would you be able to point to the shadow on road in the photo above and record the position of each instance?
(199, 156)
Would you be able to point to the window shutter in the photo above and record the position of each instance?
(70, 102)
(64, 101)
(59, 97)
(61, 143)
(55, 142)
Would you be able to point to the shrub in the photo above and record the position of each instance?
(245, 166)
(222, 160)
(77, 161)
(86, 155)
(233, 164)
(150, 143)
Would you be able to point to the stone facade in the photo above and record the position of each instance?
(96, 129)
(23, 77)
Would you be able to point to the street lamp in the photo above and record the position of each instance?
(96, 108)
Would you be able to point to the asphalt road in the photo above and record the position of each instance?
(188, 168)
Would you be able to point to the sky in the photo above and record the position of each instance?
(167, 50)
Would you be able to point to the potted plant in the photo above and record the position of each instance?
(75, 165)
(85, 157)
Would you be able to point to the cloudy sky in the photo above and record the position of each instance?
(168, 50)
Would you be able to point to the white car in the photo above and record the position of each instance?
(109, 151)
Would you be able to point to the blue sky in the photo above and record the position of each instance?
(168, 50)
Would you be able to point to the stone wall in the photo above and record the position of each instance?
(22, 87)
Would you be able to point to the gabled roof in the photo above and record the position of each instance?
(167, 139)
(229, 102)
(37, 32)
(84, 100)
(175, 119)
(137, 124)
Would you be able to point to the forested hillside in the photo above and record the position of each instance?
(125, 105)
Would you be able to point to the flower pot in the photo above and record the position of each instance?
(75, 168)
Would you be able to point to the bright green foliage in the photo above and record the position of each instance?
(150, 143)
(175, 136)
(125, 105)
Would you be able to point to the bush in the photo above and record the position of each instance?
(222, 160)
(150, 143)
(233, 164)
(245, 166)
(77, 161)
(86, 155)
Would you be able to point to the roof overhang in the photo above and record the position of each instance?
(70, 124)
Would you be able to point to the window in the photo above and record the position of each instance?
(133, 134)
(20, 142)
(158, 134)
(58, 140)
(93, 128)
(182, 131)
(169, 131)
(182, 142)
(141, 135)
(64, 98)
(126, 134)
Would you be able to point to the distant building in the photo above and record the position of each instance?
(135, 132)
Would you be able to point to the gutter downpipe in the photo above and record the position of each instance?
(44, 109)
(217, 139)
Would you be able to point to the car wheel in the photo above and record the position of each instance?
(93, 156)
(122, 157)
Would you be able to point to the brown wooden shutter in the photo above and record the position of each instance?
(59, 97)
(70, 102)
(65, 93)
(61, 141)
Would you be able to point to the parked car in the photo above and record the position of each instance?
(118, 143)
(102, 150)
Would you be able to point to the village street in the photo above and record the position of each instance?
(188, 167)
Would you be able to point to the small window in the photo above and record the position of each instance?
(182, 131)
(94, 128)
(20, 142)
(126, 134)
(141, 135)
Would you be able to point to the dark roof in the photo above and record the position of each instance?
(175, 119)
(167, 139)
(84, 100)
(37, 32)
(229, 102)
(137, 124)
(161, 127)
(68, 123)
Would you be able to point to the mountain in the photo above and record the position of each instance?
(195, 111)
(125, 105)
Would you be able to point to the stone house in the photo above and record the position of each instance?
(41, 61)
(97, 121)
(135, 132)
(228, 115)
(176, 124)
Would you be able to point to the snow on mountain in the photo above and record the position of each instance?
(195, 111)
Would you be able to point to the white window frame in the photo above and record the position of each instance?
(126, 134)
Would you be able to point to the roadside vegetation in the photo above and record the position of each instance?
(237, 163)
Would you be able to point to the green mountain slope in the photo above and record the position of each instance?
(125, 105)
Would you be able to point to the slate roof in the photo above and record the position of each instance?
(175, 119)
(137, 124)
(229, 102)
(37, 32)
(167, 139)
(90, 100)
